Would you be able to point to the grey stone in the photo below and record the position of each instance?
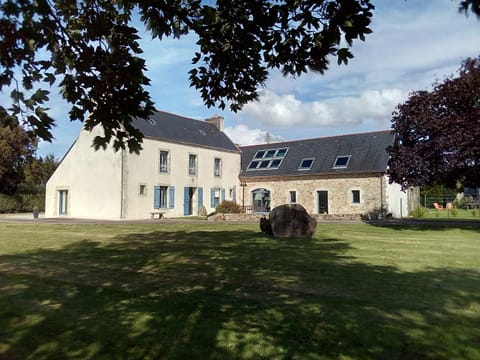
(292, 220)
(202, 211)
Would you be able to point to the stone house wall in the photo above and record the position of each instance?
(372, 189)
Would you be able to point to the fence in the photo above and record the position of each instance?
(445, 202)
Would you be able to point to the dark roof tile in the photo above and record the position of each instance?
(175, 128)
(367, 150)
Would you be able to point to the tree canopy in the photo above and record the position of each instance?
(91, 50)
(438, 133)
(17, 149)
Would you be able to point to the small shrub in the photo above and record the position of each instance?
(418, 212)
(229, 207)
(474, 212)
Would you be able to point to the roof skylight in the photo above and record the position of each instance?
(306, 164)
(267, 159)
(341, 161)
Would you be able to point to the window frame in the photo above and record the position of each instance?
(165, 170)
(304, 168)
(336, 166)
(195, 164)
(293, 196)
(140, 187)
(266, 159)
(217, 169)
(356, 196)
(164, 198)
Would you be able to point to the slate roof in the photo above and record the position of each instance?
(367, 154)
(179, 129)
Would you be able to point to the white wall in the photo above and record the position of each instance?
(92, 179)
(102, 185)
(397, 200)
(145, 169)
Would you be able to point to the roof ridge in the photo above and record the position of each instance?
(319, 138)
(177, 115)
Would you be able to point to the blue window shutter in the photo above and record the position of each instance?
(156, 197)
(200, 197)
(186, 201)
(222, 199)
(171, 197)
(212, 197)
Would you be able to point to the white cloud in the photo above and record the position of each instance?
(242, 135)
(288, 111)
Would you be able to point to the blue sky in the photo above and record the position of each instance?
(414, 43)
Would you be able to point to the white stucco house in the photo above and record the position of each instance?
(185, 164)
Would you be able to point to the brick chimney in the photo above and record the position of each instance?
(216, 120)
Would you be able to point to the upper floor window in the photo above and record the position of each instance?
(267, 159)
(306, 164)
(163, 161)
(192, 164)
(341, 161)
(217, 170)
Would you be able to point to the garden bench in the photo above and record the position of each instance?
(156, 214)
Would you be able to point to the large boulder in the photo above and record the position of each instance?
(292, 220)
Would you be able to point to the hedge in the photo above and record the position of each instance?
(21, 203)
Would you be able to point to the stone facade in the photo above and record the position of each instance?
(347, 195)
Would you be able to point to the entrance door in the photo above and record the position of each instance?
(322, 202)
(188, 193)
(62, 202)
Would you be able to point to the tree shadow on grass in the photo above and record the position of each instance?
(230, 294)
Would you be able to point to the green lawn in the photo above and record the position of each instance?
(223, 291)
(459, 214)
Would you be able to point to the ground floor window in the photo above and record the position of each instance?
(160, 197)
(62, 202)
(293, 197)
(322, 197)
(356, 196)
(261, 200)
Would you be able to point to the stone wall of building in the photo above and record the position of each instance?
(371, 189)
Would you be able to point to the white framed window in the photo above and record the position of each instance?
(217, 167)
(142, 189)
(62, 202)
(341, 161)
(306, 164)
(355, 196)
(163, 161)
(267, 159)
(160, 194)
(293, 197)
(192, 164)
